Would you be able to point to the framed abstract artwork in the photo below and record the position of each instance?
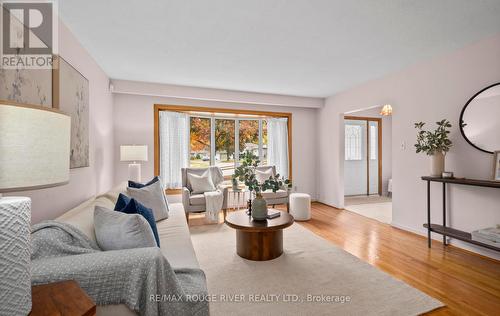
(71, 95)
(26, 86)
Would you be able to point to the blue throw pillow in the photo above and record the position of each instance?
(122, 201)
(127, 205)
(138, 185)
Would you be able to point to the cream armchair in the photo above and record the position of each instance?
(195, 203)
(279, 197)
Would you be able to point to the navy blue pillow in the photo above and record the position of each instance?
(122, 201)
(127, 205)
(139, 185)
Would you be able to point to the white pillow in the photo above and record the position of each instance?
(202, 183)
(116, 230)
(262, 176)
(153, 197)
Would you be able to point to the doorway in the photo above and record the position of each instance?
(368, 164)
(363, 156)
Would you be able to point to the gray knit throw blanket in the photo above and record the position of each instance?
(141, 278)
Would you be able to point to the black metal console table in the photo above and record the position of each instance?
(448, 231)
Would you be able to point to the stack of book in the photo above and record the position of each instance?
(490, 236)
(273, 214)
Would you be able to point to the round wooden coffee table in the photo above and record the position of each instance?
(259, 240)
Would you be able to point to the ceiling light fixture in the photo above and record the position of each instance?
(386, 110)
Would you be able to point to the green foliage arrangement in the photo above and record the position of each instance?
(246, 173)
(431, 142)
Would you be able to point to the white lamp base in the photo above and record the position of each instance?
(134, 172)
(15, 247)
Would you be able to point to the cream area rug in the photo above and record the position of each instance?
(382, 212)
(312, 277)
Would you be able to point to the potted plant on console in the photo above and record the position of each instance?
(435, 144)
(246, 173)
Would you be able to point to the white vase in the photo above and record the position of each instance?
(259, 208)
(437, 164)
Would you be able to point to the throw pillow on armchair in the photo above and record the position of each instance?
(262, 176)
(201, 184)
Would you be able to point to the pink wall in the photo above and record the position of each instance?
(84, 182)
(195, 94)
(427, 92)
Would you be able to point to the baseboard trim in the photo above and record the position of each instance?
(330, 205)
(412, 230)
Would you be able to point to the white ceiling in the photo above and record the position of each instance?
(303, 47)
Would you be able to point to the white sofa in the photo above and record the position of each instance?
(175, 240)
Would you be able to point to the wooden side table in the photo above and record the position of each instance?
(61, 298)
(238, 196)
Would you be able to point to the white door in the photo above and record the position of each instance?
(361, 165)
(373, 157)
(355, 164)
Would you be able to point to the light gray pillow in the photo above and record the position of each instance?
(262, 176)
(153, 197)
(116, 230)
(202, 183)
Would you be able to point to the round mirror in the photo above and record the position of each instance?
(480, 119)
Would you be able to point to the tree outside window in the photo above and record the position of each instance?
(264, 143)
(249, 136)
(224, 145)
(224, 150)
(200, 142)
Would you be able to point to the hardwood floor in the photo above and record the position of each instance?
(469, 284)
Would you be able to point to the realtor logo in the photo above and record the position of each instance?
(29, 34)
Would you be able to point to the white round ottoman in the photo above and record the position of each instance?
(300, 206)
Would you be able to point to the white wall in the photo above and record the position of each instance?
(133, 124)
(428, 91)
(98, 178)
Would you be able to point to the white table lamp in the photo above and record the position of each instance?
(34, 154)
(134, 153)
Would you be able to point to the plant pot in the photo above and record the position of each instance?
(259, 208)
(437, 164)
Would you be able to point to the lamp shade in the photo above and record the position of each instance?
(133, 153)
(34, 147)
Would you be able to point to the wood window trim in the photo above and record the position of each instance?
(187, 109)
(379, 120)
